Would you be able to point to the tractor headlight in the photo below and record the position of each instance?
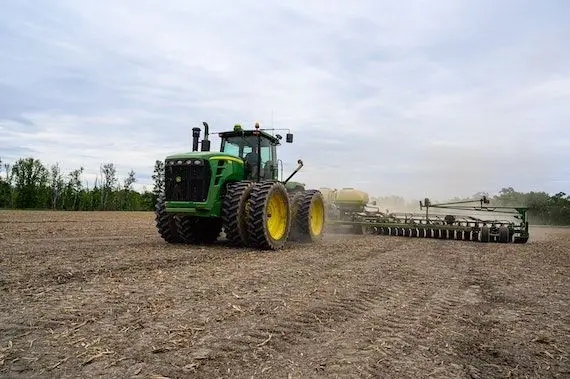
(197, 162)
(188, 161)
(179, 162)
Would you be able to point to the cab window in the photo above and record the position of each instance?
(231, 148)
(241, 146)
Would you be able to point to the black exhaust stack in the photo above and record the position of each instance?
(205, 141)
(195, 138)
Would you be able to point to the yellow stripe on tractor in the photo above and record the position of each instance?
(218, 157)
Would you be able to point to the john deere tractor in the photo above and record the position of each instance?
(236, 189)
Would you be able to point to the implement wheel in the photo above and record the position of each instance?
(485, 234)
(308, 216)
(269, 216)
(504, 234)
(166, 223)
(234, 212)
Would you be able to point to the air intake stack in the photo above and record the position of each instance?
(195, 138)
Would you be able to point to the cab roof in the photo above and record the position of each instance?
(249, 133)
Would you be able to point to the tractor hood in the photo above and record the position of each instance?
(204, 155)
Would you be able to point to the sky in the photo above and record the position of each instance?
(435, 98)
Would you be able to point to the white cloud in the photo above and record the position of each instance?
(416, 98)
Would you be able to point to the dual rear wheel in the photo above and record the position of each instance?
(264, 215)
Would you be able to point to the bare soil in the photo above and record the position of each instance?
(100, 294)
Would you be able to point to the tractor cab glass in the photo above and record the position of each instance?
(246, 147)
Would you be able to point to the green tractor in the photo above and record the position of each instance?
(236, 190)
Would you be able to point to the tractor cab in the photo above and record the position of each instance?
(256, 148)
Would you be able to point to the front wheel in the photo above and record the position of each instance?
(234, 212)
(166, 223)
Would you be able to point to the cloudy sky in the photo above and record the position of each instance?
(415, 98)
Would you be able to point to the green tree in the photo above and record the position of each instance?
(57, 185)
(148, 200)
(109, 181)
(30, 179)
(5, 186)
(75, 187)
(127, 189)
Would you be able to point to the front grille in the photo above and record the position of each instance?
(187, 181)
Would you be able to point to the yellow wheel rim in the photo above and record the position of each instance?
(276, 215)
(317, 214)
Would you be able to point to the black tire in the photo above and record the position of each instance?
(234, 209)
(187, 229)
(485, 234)
(166, 223)
(295, 202)
(258, 218)
(421, 233)
(310, 203)
(474, 236)
(504, 234)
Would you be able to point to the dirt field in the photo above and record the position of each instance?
(90, 294)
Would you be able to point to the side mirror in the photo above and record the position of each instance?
(289, 137)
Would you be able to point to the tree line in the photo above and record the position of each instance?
(30, 184)
(543, 208)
